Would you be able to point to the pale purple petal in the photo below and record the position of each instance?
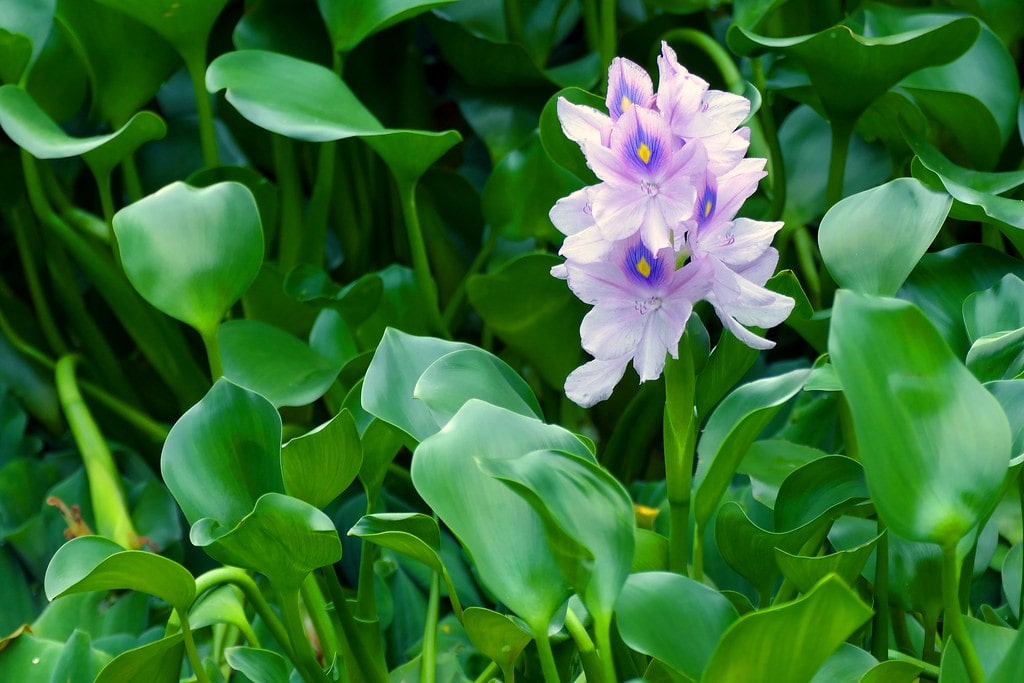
(593, 382)
(628, 84)
(618, 210)
(728, 109)
(649, 360)
(761, 269)
(735, 243)
(748, 303)
(586, 246)
(574, 213)
(611, 329)
(560, 271)
(582, 124)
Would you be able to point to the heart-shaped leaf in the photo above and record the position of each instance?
(319, 465)
(186, 24)
(806, 572)
(259, 666)
(349, 23)
(159, 662)
(192, 252)
(495, 635)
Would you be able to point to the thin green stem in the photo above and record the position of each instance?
(195, 64)
(191, 651)
(880, 622)
(291, 237)
(487, 674)
(514, 21)
(547, 657)
(776, 165)
(697, 569)
(313, 598)
(106, 203)
(803, 243)
(602, 633)
(420, 264)
(928, 651)
(680, 434)
(35, 287)
(305, 658)
(319, 205)
(240, 579)
(591, 25)
(212, 354)
(927, 668)
(368, 658)
(715, 51)
(900, 632)
(609, 33)
(366, 602)
(428, 661)
(132, 183)
(954, 620)
(110, 506)
(589, 657)
(841, 133)
(455, 303)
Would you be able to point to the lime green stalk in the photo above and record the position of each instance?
(108, 500)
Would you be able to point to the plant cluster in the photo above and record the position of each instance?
(432, 340)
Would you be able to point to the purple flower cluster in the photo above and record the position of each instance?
(659, 232)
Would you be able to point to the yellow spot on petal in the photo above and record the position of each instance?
(643, 267)
(708, 205)
(644, 152)
(624, 103)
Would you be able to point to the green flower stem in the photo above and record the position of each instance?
(713, 49)
(420, 264)
(239, 578)
(547, 657)
(108, 500)
(19, 223)
(305, 658)
(319, 206)
(927, 668)
(591, 25)
(313, 598)
(367, 657)
(928, 651)
(609, 33)
(195, 64)
(697, 569)
(132, 182)
(514, 20)
(212, 353)
(191, 651)
(366, 602)
(139, 420)
(487, 674)
(603, 635)
(679, 440)
(900, 632)
(589, 658)
(776, 165)
(291, 235)
(106, 203)
(803, 243)
(841, 134)
(880, 622)
(455, 303)
(953, 620)
(428, 661)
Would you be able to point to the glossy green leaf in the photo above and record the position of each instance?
(349, 23)
(454, 378)
(319, 465)
(917, 412)
(192, 252)
(526, 172)
(495, 635)
(893, 671)
(769, 645)
(259, 666)
(285, 27)
(838, 56)
(996, 356)
(943, 280)
(993, 645)
(223, 605)
(532, 312)
(32, 19)
(846, 665)
(1011, 666)
(158, 662)
(223, 454)
(93, 563)
(31, 128)
(735, 424)
(389, 386)
(768, 462)
(186, 24)
(1010, 394)
(872, 218)
(76, 662)
(561, 149)
(1010, 577)
(15, 53)
(283, 538)
(268, 361)
(826, 486)
(588, 519)
(484, 514)
(413, 534)
(805, 572)
(674, 619)
(999, 308)
(381, 442)
(748, 548)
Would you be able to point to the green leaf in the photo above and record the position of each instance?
(768, 462)
(993, 645)
(673, 619)
(15, 53)
(1010, 577)
(93, 563)
(526, 172)
(495, 635)
(31, 128)
(871, 218)
(319, 465)
(805, 572)
(533, 313)
(771, 645)
(76, 662)
(270, 362)
(893, 671)
(1000, 308)
(485, 515)
(223, 605)
(846, 665)
(186, 24)
(413, 534)
(158, 662)
(283, 538)
(588, 519)
(1011, 665)
(349, 23)
(837, 57)
(260, 666)
(561, 149)
(389, 386)
(32, 19)
(456, 377)
(735, 424)
(223, 454)
(825, 486)
(996, 356)
(192, 252)
(918, 413)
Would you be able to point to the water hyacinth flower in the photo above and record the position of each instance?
(660, 232)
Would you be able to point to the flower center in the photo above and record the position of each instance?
(645, 306)
(648, 188)
(643, 152)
